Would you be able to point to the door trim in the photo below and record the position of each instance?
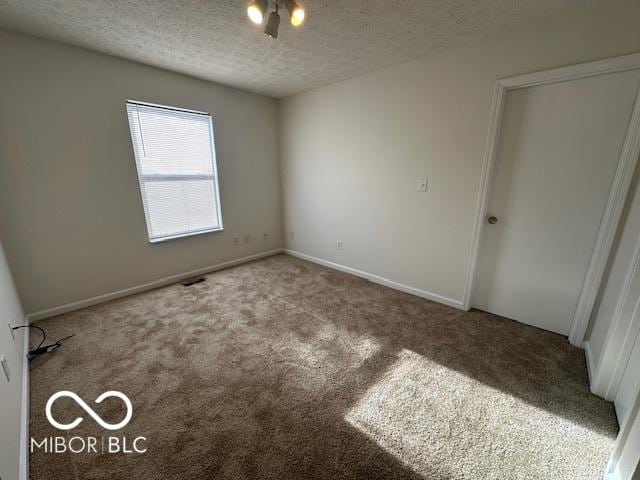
(617, 195)
(625, 450)
(621, 335)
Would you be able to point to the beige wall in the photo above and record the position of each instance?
(352, 152)
(10, 392)
(71, 219)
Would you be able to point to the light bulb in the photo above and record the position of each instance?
(256, 11)
(254, 14)
(297, 14)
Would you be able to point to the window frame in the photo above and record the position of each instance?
(143, 179)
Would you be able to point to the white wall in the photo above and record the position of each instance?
(10, 392)
(71, 216)
(352, 152)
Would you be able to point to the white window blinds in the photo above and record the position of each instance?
(176, 162)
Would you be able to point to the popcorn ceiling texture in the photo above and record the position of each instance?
(285, 370)
(214, 40)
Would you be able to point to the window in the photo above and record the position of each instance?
(176, 162)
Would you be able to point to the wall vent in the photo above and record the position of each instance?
(192, 281)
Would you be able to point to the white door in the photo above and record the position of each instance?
(556, 158)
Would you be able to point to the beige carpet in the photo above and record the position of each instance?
(283, 369)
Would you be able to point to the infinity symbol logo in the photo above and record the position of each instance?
(89, 410)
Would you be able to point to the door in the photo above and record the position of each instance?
(557, 154)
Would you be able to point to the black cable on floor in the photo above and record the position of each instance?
(40, 349)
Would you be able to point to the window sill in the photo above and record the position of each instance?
(183, 235)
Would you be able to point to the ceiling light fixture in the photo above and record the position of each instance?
(258, 9)
(272, 25)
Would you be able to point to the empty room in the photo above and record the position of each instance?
(320, 240)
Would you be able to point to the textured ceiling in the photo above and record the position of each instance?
(214, 40)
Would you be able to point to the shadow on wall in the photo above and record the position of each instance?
(282, 369)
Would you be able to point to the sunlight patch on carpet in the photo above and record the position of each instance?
(435, 419)
(315, 366)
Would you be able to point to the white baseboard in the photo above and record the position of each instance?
(378, 279)
(69, 307)
(615, 475)
(24, 414)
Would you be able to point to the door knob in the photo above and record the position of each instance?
(492, 220)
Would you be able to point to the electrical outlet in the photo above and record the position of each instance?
(292, 235)
(235, 240)
(5, 367)
(339, 244)
(422, 185)
(13, 335)
(247, 238)
(265, 235)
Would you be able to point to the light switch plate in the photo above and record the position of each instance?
(5, 367)
(422, 185)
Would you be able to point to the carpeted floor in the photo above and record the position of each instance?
(282, 369)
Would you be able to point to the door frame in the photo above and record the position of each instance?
(617, 195)
(621, 336)
(625, 449)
